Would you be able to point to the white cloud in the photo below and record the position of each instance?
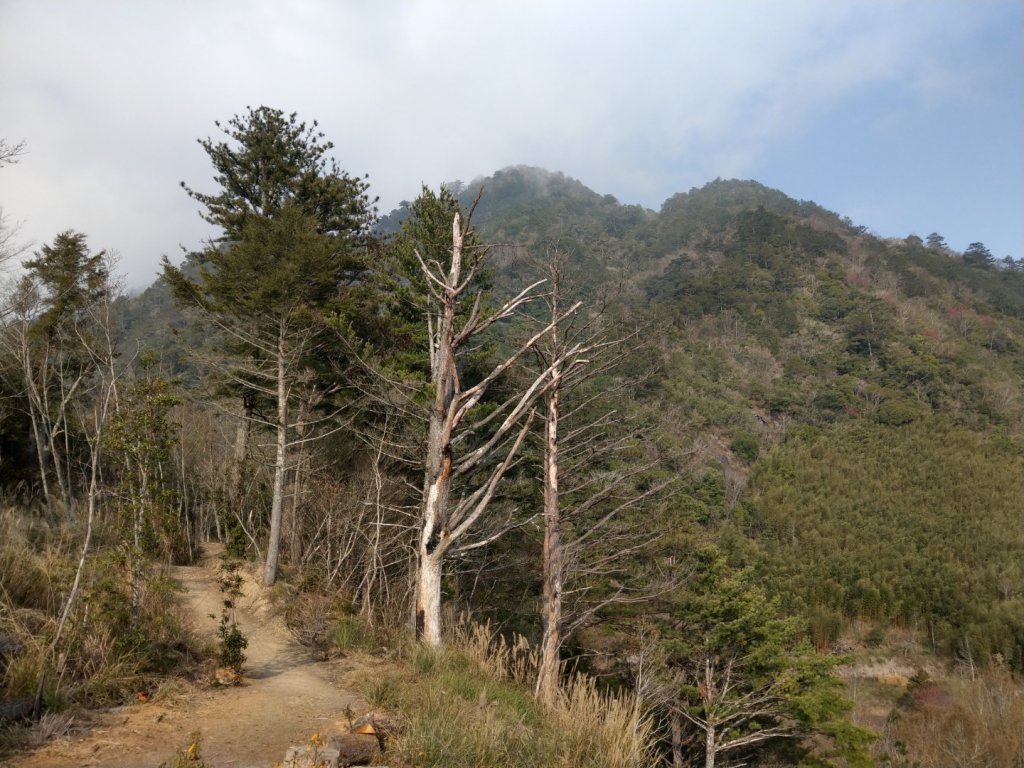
(639, 99)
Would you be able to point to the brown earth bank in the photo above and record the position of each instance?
(285, 696)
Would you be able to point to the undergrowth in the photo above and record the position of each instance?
(105, 656)
(232, 643)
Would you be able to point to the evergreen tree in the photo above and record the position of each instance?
(272, 159)
(50, 336)
(743, 675)
(295, 231)
(977, 255)
(402, 286)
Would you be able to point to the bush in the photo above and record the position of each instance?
(103, 657)
(896, 413)
(746, 446)
(233, 643)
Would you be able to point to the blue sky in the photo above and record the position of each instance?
(908, 117)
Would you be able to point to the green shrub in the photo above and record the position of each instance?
(746, 446)
(231, 653)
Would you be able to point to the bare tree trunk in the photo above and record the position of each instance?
(710, 747)
(677, 740)
(65, 470)
(138, 520)
(100, 416)
(41, 456)
(437, 466)
(299, 473)
(56, 426)
(240, 453)
(277, 503)
(436, 483)
(428, 598)
(443, 522)
(374, 570)
(35, 415)
(549, 668)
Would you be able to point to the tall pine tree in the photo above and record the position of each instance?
(295, 231)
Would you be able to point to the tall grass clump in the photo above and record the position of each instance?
(470, 703)
(603, 728)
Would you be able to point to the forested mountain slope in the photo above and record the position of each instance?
(871, 388)
(845, 374)
(701, 462)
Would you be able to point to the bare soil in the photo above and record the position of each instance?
(286, 695)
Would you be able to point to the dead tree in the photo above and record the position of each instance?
(445, 523)
(583, 500)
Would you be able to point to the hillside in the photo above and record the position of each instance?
(782, 325)
(784, 329)
(810, 442)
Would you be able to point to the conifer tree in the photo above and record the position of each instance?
(49, 336)
(292, 248)
(744, 676)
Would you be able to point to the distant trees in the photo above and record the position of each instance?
(928, 514)
(977, 255)
(937, 242)
(294, 232)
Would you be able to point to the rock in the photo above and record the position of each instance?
(325, 756)
(15, 709)
(377, 724)
(356, 748)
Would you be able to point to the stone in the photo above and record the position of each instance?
(324, 756)
(356, 749)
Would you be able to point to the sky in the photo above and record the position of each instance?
(908, 117)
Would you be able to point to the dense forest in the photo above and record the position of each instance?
(713, 456)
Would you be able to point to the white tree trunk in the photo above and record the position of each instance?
(277, 504)
(710, 747)
(432, 542)
(428, 599)
(442, 522)
(551, 599)
(138, 518)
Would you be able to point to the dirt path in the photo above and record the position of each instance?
(286, 696)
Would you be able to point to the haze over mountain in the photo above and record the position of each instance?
(906, 116)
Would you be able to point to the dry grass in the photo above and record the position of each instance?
(100, 660)
(939, 720)
(470, 704)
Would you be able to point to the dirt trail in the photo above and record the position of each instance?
(286, 696)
